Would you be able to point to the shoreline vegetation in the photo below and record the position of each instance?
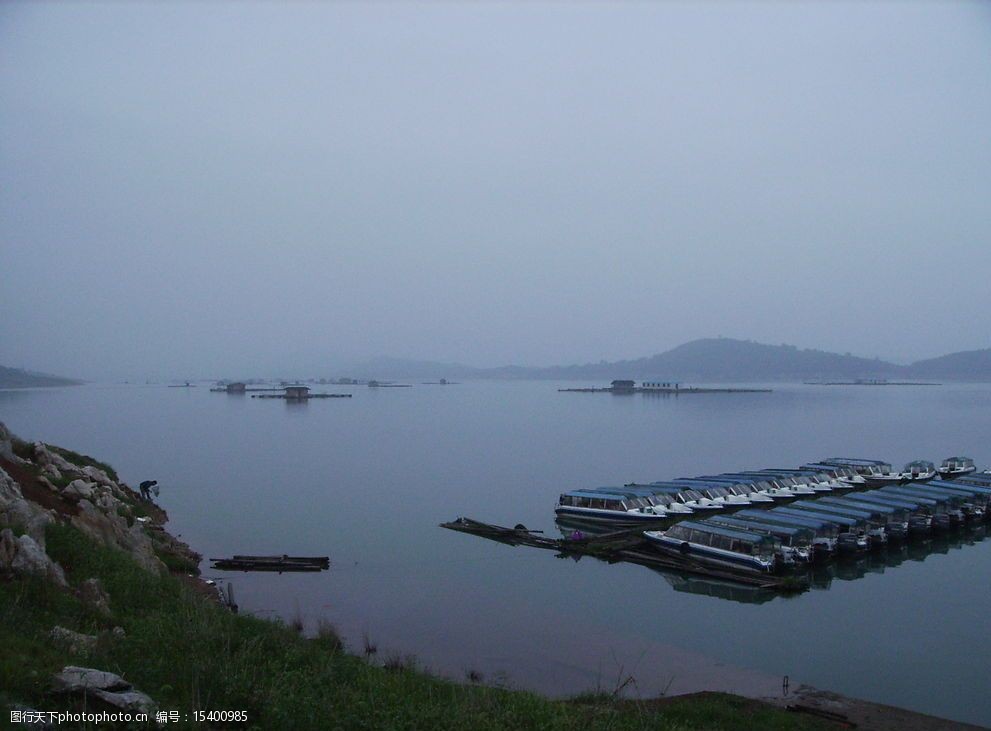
(90, 579)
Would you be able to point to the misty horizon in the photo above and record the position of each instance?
(200, 190)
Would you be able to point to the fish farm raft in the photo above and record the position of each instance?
(773, 530)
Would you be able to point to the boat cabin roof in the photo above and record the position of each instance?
(860, 511)
(625, 490)
(981, 478)
(818, 474)
(853, 460)
(830, 517)
(813, 524)
(677, 489)
(936, 493)
(747, 477)
(823, 467)
(862, 504)
(592, 494)
(909, 496)
(702, 482)
(963, 487)
(781, 530)
(889, 499)
(740, 535)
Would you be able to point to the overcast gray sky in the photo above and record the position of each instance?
(200, 189)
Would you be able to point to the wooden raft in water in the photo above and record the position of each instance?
(272, 563)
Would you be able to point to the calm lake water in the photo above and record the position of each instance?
(366, 480)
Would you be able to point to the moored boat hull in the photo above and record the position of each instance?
(707, 554)
(612, 517)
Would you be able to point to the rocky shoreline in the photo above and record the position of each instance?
(41, 486)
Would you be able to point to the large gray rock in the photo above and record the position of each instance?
(98, 476)
(108, 687)
(7, 445)
(45, 457)
(17, 511)
(24, 556)
(73, 679)
(52, 471)
(112, 530)
(74, 643)
(106, 502)
(47, 483)
(80, 490)
(35, 527)
(9, 489)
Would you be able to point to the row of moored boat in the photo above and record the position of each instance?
(765, 520)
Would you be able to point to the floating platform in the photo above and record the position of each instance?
(307, 397)
(224, 389)
(272, 563)
(871, 383)
(624, 545)
(665, 391)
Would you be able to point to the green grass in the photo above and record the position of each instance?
(177, 564)
(24, 450)
(189, 653)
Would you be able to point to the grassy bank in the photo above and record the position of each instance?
(189, 653)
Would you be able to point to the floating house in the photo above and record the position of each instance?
(236, 387)
(297, 392)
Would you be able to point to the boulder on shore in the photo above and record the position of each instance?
(24, 556)
(108, 687)
(73, 679)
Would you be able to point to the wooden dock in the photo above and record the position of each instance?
(627, 545)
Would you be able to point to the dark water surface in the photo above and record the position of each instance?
(366, 480)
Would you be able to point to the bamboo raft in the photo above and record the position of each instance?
(271, 563)
(627, 545)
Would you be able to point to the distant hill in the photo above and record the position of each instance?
(710, 360)
(967, 365)
(18, 378)
(725, 359)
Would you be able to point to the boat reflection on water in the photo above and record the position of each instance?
(683, 581)
(819, 575)
(718, 588)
